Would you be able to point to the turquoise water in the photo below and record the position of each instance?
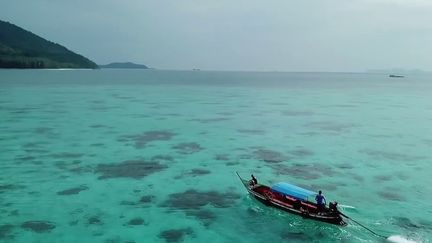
(150, 156)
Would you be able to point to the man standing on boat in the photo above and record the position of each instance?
(321, 201)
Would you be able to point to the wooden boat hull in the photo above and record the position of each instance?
(327, 217)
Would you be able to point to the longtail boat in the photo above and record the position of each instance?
(293, 199)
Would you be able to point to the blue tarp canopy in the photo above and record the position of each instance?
(292, 190)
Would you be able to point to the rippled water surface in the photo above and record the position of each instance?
(150, 156)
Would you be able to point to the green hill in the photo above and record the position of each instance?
(20, 48)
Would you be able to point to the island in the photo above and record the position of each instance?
(396, 76)
(20, 48)
(126, 65)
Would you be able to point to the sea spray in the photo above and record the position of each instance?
(399, 239)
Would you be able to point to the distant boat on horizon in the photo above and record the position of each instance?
(396, 76)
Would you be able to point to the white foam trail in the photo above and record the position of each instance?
(399, 239)
(346, 206)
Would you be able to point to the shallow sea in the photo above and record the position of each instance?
(150, 156)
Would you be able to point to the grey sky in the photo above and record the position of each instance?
(284, 35)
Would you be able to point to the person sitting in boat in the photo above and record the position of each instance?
(297, 205)
(253, 181)
(333, 207)
(321, 201)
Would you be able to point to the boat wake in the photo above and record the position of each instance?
(346, 206)
(399, 239)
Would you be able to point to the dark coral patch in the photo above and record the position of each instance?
(141, 202)
(207, 217)
(304, 171)
(382, 177)
(175, 235)
(344, 106)
(34, 148)
(377, 154)
(210, 120)
(97, 101)
(32, 145)
(187, 148)
(390, 195)
(37, 162)
(251, 131)
(136, 221)
(10, 187)
(135, 169)
(128, 203)
(321, 168)
(72, 191)
(76, 162)
(297, 113)
(297, 172)
(73, 222)
(232, 163)
(330, 126)
(98, 126)
(326, 187)
(14, 212)
(94, 220)
(162, 157)
(43, 130)
(25, 158)
(193, 173)
(80, 169)
(269, 156)
(192, 199)
(22, 110)
(97, 144)
(61, 164)
(122, 97)
(221, 157)
(104, 107)
(141, 140)
(402, 176)
(356, 177)
(199, 172)
(38, 226)
(67, 155)
(40, 151)
(173, 114)
(225, 113)
(6, 231)
(345, 166)
(301, 152)
(411, 224)
(146, 199)
(295, 236)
